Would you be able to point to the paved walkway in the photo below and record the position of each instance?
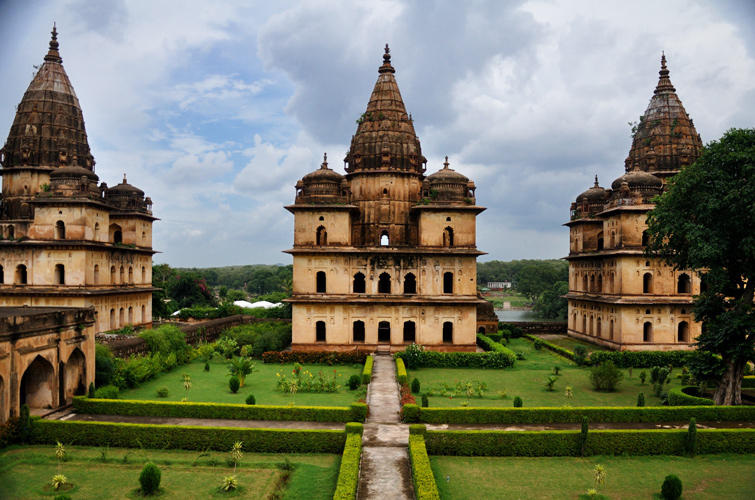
(206, 422)
(385, 472)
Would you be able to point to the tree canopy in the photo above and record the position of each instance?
(706, 221)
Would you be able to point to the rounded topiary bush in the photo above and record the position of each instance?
(62, 497)
(91, 390)
(150, 478)
(234, 384)
(163, 392)
(641, 399)
(517, 402)
(425, 401)
(672, 487)
(207, 367)
(354, 382)
(415, 385)
(250, 399)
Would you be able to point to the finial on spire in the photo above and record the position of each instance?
(664, 83)
(445, 164)
(324, 165)
(124, 179)
(53, 55)
(386, 67)
(663, 59)
(596, 180)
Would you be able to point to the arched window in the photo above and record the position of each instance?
(144, 315)
(122, 277)
(112, 275)
(121, 317)
(584, 324)
(359, 285)
(448, 332)
(322, 236)
(21, 274)
(600, 283)
(647, 332)
(11, 231)
(384, 283)
(591, 331)
(144, 238)
(96, 231)
(116, 236)
(592, 282)
(320, 331)
(574, 321)
(448, 237)
(612, 240)
(384, 239)
(113, 324)
(131, 315)
(60, 230)
(683, 284)
(600, 240)
(2, 275)
(358, 331)
(600, 330)
(682, 332)
(645, 238)
(384, 331)
(584, 283)
(610, 330)
(144, 274)
(321, 282)
(130, 274)
(60, 274)
(410, 283)
(647, 283)
(448, 282)
(96, 274)
(409, 332)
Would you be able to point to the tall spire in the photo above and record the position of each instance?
(664, 83)
(53, 55)
(386, 67)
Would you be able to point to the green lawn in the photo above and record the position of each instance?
(25, 471)
(516, 300)
(570, 343)
(709, 477)
(212, 386)
(527, 380)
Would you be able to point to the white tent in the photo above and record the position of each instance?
(262, 303)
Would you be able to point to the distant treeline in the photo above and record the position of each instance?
(256, 279)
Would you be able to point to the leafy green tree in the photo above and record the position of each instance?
(551, 303)
(240, 367)
(234, 295)
(706, 221)
(223, 292)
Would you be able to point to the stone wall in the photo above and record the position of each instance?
(542, 327)
(196, 332)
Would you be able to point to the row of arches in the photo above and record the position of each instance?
(384, 332)
(125, 317)
(594, 284)
(594, 327)
(115, 233)
(21, 275)
(321, 237)
(359, 283)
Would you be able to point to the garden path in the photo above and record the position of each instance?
(385, 471)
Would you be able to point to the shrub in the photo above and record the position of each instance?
(24, 424)
(250, 400)
(425, 401)
(583, 436)
(207, 367)
(641, 399)
(162, 391)
(149, 478)
(580, 355)
(672, 487)
(643, 376)
(654, 374)
(415, 385)
(515, 331)
(107, 392)
(425, 487)
(551, 382)
(552, 347)
(539, 345)
(62, 497)
(413, 355)
(517, 402)
(556, 370)
(435, 359)
(687, 396)
(91, 390)
(354, 382)
(605, 376)
(641, 359)
(490, 345)
(104, 366)
(348, 475)
(316, 357)
(234, 383)
(367, 372)
(690, 445)
(401, 376)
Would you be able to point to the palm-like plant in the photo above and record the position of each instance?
(187, 385)
(240, 367)
(600, 474)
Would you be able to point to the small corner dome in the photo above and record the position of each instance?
(447, 175)
(595, 193)
(638, 179)
(125, 188)
(323, 174)
(73, 172)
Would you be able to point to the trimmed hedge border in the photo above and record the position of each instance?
(425, 487)
(179, 437)
(597, 414)
(678, 397)
(567, 443)
(490, 345)
(367, 372)
(318, 357)
(436, 359)
(640, 359)
(566, 353)
(348, 475)
(357, 412)
(748, 382)
(401, 376)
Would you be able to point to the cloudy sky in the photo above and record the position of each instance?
(215, 109)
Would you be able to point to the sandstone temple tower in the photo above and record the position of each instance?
(66, 241)
(617, 297)
(384, 256)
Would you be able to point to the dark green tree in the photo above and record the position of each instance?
(551, 303)
(706, 221)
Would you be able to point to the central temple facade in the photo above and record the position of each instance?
(384, 255)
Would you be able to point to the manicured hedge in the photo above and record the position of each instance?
(324, 357)
(748, 382)
(348, 476)
(367, 372)
(356, 413)
(567, 443)
(686, 396)
(593, 413)
(490, 345)
(435, 359)
(422, 474)
(640, 359)
(401, 371)
(410, 413)
(566, 353)
(174, 437)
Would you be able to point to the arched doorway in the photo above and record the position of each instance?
(384, 331)
(37, 384)
(384, 283)
(448, 332)
(320, 331)
(409, 332)
(448, 282)
(75, 375)
(359, 283)
(321, 280)
(410, 284)
(358, 331)
(682, 332)
(647, 332)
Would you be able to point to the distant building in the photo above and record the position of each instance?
(617, 296)
(385, 256)
(65, 240)
(499, 285)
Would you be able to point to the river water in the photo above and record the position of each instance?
(507, 316)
